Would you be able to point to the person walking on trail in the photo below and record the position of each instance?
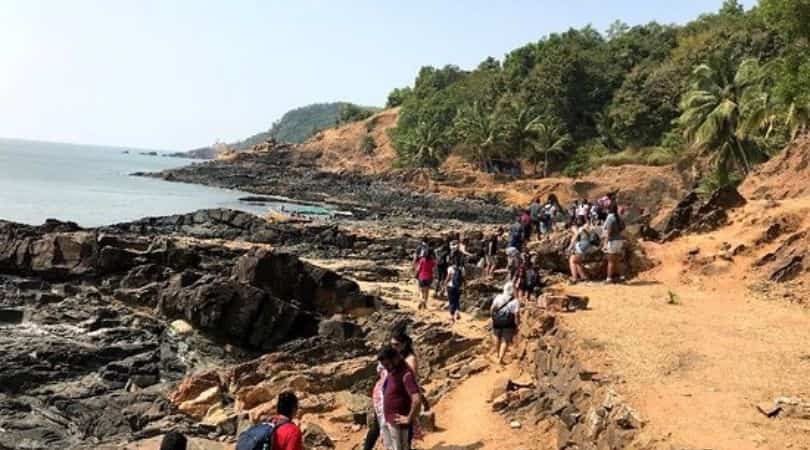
(516, 234)
(491, 253)
(536, 211)
(505, 312)
(287, 435)
(614, 248)
(526, 225)
(424, 277)
(401, 400)
(584, 242)
(442, 263)
(455, 284)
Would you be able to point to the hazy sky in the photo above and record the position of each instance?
(171, 74)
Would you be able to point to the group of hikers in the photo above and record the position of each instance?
(397, 397)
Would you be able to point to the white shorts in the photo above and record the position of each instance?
(614, 247)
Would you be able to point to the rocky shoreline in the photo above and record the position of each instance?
(284, 173)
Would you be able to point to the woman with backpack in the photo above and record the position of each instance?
(614, 247)
(505, 313)
(424, 275)
(583, 242)
(455, 282)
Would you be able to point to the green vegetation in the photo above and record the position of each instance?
(733, 85)
(299, 124)
(367, 144)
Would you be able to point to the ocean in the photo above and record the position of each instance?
(90, 185)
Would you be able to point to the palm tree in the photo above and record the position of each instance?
(520, 122)
(482, 131)
(715, 111)
(548, 140)
(425, 146)
(797, 119)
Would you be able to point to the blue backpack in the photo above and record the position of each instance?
(259, 436)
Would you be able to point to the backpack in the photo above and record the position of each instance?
(422, 251)
(458, 277)
(594, 238)
(259, 436)
(503, 318)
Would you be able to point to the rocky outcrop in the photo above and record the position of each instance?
(553, 254)
(281, 173)
(693, 215)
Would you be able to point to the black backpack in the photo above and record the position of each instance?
(259, 436)
(502, 318)
(594, 238)
(458, 277)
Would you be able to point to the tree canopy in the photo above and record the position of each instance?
(631, 87)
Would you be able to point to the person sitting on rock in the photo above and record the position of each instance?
(505, 313)
(174, 441)
(455, 283)
(402, 400)
(424, 277)
(582, 245)
(614, 247)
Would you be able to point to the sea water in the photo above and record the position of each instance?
(92, 186)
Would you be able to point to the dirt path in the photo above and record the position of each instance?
(696, 350)
(466, 421)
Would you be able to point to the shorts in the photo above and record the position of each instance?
(614, 247)
(507, 334)
(583, 249)
(426, 283)
(454, 299)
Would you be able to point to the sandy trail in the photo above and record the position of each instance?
(697, 368)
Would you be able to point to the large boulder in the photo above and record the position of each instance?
(235, 310)
(285, 276)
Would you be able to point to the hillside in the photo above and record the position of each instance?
(784, 176)
(363, 146)
(294, 126)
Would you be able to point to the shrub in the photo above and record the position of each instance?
(367, 145)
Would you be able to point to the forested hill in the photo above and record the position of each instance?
(732, 84)
(297, 125)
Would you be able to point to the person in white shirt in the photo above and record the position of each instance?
(505, 312)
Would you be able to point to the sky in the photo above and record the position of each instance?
(181, 74)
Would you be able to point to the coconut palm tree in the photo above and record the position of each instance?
(797, 119)
(549, 139)
(481, 131)
(715, 110)
(425, 146)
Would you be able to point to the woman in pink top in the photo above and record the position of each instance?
(424, 275)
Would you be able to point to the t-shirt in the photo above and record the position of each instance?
(287, 436)
(501, 300)
(612, 228)
(451, 273)
(534, 210)
(425, 269)
(399, 386)
(516, 233)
